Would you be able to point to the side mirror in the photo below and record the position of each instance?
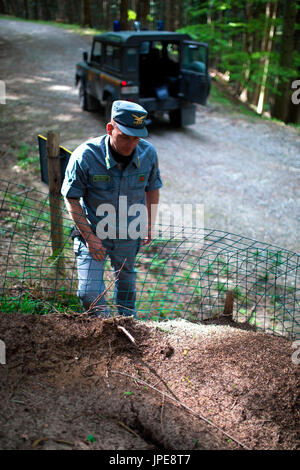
(85, 56)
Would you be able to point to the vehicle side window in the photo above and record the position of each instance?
(131, 59)
(173, 52)
(113, 57)
(194, 58)
(156, 49)
(97, 52)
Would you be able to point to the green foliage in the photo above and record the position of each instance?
(131, 15)
(28, 305)
(27, 156)
(235, 44)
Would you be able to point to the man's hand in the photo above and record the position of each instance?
(152, 198)
(95, 247)
(78, 216)
(148, 239)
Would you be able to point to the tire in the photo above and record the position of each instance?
(175, 117)
(107, 108)
(83, 97)
(87, 102)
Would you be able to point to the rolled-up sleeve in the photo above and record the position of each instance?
(154, 181)
(75, 180)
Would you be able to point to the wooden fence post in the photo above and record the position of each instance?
(53, 160)
(228, 307)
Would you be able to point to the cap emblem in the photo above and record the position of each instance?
(138, 120)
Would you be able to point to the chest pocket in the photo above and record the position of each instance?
(102, 187)
(138, 180)
(136, 186)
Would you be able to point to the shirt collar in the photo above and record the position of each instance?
(109, 159)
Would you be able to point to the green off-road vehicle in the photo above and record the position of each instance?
(163, 71)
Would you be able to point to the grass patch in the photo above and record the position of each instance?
(28, 157)
(224, 99)
(28, 305)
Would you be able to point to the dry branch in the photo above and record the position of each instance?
(183, 406)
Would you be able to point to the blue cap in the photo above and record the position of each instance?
(130, 118)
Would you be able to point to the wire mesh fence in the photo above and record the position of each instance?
(176, 276)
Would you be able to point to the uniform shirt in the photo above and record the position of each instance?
(93, 175)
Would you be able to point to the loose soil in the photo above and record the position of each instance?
(180, 386)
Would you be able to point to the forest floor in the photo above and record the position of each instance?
(72, 382)
(242, 168)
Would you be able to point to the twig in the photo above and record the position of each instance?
(235, 402)
(126, 308)
(121, 328)
(128, 429)
(41, 439)
(183, 406)
(24, 192)
(104, 292)
(161, 412)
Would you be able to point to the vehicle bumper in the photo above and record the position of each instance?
(153, 104)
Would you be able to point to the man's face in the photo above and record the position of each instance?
(121, 143)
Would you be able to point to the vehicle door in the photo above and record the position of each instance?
(93, 85)
(195, 81)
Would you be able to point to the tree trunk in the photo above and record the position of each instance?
(3, 9)
(86, 17)
(171, 14)
(180, 14)
(35, 10)
(107, 15)
(294, 109)
(255, 46)
(100, 9)
(271, 12)
(124, 15)
(281, 105)
(161, 8)
(46, 13)
(246, 49)
(26, 9)
(142, 12)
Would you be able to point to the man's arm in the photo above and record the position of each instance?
(152, 199)
(77, 214)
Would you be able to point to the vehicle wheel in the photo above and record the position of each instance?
(87, 102)
(107, 108)
(175, 117)
(83, 97)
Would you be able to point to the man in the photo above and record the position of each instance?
(105, 178)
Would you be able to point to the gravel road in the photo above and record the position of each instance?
(246, 171)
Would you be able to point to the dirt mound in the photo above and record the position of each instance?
(72, 382)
